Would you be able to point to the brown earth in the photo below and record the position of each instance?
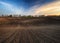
(29, 30)
(30, 34)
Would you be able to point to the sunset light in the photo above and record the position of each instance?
(49, 9)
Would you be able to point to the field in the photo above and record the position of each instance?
(31, 30)
(33, 34)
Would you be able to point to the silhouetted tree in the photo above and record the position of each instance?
(10, 15)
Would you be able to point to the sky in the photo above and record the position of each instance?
(30, 7)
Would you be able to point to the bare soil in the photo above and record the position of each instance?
(30, 34)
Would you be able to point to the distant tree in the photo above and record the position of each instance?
(42, 15)
(19, 15)
(29, 16)
(2, 15)
(10, 15)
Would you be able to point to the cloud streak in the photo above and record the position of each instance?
(52, 8)
(47, 9)
(12, 9)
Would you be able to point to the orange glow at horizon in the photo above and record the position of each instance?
(51, 9)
